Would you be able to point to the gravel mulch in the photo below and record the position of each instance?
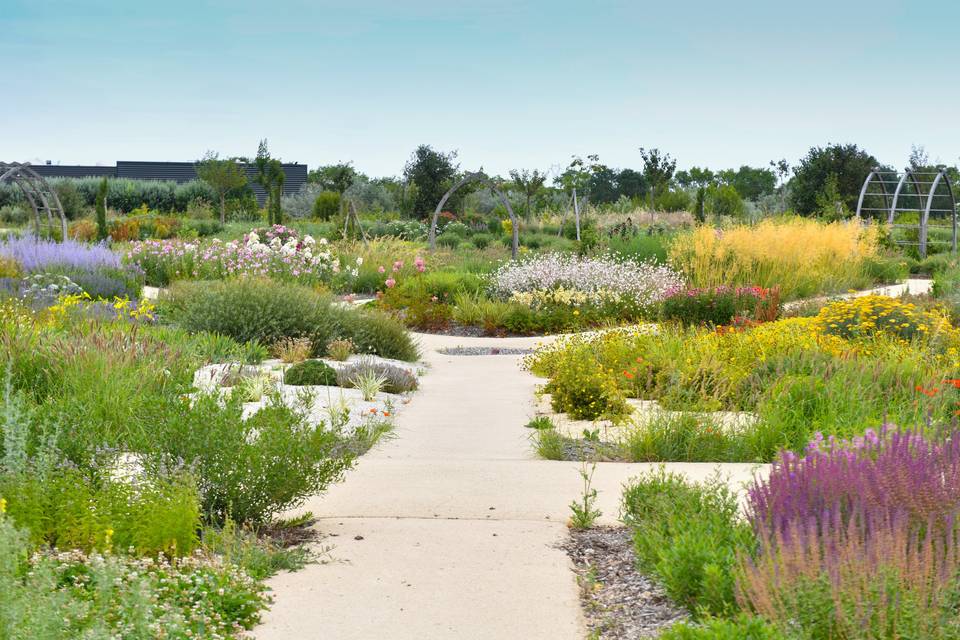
(484, 351)
(618, 602)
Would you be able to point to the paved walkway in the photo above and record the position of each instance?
(449, 530)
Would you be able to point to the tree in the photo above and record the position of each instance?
(919, 159)
(577, 174)
(602, 185)
(695, 177)
(631, 183)
(102, 230)
(326, 205)
(335, 177)
(223, 175)
(529, 183)
(432, 172)
(848, 164)
(751, 182)
(658, 168)
(270, 176)
(782, 169)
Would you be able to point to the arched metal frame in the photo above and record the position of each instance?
(476, 177)
(924, 200)
(38, 193)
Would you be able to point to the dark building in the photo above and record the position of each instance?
(296, 174)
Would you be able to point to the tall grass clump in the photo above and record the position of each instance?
(803, 257)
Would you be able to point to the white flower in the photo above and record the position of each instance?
(275, 244)
(253, 238)
(308, 241)
(359, 260)
(323, 241)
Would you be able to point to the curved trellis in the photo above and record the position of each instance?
(476, 177)
(887, 194)
(38, 192)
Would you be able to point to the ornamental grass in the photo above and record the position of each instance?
(803, 257)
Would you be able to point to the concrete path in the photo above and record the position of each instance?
(449, 530)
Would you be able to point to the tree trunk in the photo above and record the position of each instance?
(527, 210)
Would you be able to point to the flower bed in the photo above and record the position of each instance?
(279, 254)
(856, 539)
(889, 360)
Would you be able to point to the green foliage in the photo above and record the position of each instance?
(310, 372)
(725, 200)
(583, 390)
(687, 536)
(327, 205)
(60, 596)
(224, 176)
(433, 173)
(743, 627)
(259, 557)
(248, 470)
(265, 311)
(836, 170)
(102, 230)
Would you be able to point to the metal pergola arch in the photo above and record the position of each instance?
(477, 176)
(923, 188)
(38, 192)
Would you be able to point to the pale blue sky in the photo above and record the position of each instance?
(507, 84)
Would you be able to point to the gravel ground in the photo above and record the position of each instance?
(619, 603)
(484, 351)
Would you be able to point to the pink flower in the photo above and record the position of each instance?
(419, 263)
(381, 269)
(397, 265)
(390, 283)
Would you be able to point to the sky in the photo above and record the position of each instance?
(506, 83)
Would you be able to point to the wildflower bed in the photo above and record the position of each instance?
(854, 365)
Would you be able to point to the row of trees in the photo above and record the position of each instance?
(825, 181)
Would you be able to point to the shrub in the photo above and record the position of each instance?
(869, 316)
(803, 257)
(720, 306)
(583, 390)
(248, 470)
(292, 350)
(252, 309)
(310, 372)
(449, 242)
(36, 255)
(743, 627)
(340, 349)
(395, 379)
(687, 536)
(327, 205)
(248, 309)
(481, 240)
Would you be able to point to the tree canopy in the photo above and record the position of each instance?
(432, 172)
(839, 169)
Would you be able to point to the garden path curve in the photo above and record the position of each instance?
(450, 529)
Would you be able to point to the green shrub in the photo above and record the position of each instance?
(743, 627)
(266, 311)
(310, 372)
(327, 205)
(481, 240)
(247, 470)
(583, 390)
(687, 536)
(449, 241)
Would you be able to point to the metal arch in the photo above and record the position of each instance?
(34, 187)
(953, 205)
(926, 214)
(863, 190)
(896, 196)
(916, 188)
(476, 177)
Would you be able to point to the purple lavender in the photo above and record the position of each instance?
(36, 255)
